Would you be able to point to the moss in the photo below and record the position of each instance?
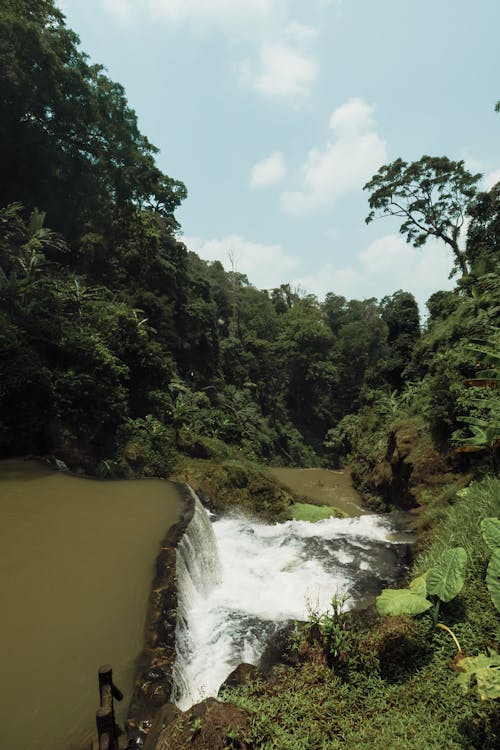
(312, 513)
(233, 484)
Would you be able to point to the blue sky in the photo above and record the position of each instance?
(274, 113)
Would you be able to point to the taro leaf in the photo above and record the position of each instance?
(419, 585)
(493, 577)
(490, 528)
(401, 602)
(486, 669)
(446, 578)
(488, 682)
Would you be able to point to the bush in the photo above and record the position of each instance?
(145, 448)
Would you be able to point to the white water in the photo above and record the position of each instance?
(239, 579)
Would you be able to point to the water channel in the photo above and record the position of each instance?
(76, 564)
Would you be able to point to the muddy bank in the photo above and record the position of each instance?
(153, 682)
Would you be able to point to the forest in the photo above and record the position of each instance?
(125, 355)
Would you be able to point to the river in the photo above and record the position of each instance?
(76, 564)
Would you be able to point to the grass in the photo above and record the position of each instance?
(459, 525)
(311, 513)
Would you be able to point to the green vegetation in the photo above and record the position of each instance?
(441, 583)
(311, 513)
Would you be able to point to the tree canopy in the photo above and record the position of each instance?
(431, 195)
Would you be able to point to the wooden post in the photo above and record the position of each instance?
(109, 735)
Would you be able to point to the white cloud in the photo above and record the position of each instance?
(278, 62)
(211, 14)
(285, 66)
(491, 179)
(386, 265)
(268, 171)
(344, 165)
(266, 266)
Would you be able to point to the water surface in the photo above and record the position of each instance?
(76, 565)
(323, 486)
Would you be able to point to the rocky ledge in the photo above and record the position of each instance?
(153, 682)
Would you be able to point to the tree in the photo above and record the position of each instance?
(400, 313)
(71, 145)
(483, 234)
(431, 195)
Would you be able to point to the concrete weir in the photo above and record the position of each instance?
(153, 681)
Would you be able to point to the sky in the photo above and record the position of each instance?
(275, 113)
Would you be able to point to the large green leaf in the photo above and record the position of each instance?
(401, 602)
(419, 585)
(446, 578)
(486, 670)
(493, 577)
(488, 682)
(490, 529)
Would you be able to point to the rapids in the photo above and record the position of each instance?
(239, 579)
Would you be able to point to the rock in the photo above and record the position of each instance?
(209, 725)
(279, 649)
(410, 467)
(163, 718)
(241, 675)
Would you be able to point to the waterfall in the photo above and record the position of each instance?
(238, 579)
(198, 571)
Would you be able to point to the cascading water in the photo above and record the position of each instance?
(239, 579)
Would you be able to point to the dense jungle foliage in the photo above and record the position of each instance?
(121, 349)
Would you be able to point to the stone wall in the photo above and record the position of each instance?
(153, 682)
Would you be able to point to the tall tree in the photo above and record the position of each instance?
(70, 142)
(400, 313)
(431, 195)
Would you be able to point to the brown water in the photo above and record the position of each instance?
(76, 565)
(323, 486)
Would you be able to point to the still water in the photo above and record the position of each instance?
(76, 564)
(323, 486)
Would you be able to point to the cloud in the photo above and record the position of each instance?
(386, 265)
(201, 14)
(491, 179)
(277, 61)
(268, 171)
(285, 67)
(266, 266)
(344, 165)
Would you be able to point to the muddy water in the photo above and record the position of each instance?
(323, 486)
(76, 564)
